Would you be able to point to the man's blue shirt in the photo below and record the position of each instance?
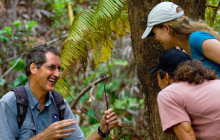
(36, 120)
(195, 41)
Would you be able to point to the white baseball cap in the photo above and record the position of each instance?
(162, 12)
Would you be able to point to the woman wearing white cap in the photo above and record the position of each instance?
(169, 25)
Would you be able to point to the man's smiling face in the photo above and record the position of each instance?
(47, 77)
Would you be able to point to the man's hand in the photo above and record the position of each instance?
(56, 131)
(109, 118)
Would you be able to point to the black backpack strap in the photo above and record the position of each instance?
(22, 104)
(59, 103)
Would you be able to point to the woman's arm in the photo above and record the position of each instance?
(184, 131)
(211, 49)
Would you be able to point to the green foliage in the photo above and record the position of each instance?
(78, 9)
(2, 82)
(92, 36)
(92, 113)
(92, 29)
(120, 62)
(7, 30)
(120, 103)
(20, 64)
(29, 25)
(100, 91)
(127, 103)
(88, 130)
(20, 80)
(5, 34)
(13, 38)
(59, 9)
(16, 31)
(210, 12)
(17, 23)
(92, 4)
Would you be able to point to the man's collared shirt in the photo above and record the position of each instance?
(36, 120)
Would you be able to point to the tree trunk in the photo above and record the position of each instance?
(147, 52)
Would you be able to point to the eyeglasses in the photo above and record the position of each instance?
(54, 67)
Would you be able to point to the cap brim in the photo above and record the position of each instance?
(154, 70)
(147, 32)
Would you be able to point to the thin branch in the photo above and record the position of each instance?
(215, 13)
(73, 104)
(11, 67)
(66, 90)
(56, 39)
(77, 105)
(14, 57)
(49, 42)
(212, 6)
(92, 117)
(80, 114)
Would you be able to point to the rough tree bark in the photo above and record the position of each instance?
(147, 52)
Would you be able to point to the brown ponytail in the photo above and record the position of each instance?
(193, 72)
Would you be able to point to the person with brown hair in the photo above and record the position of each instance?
(43, 119)
(167, 22)
(189, 100)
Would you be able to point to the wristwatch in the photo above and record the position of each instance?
(101, 133)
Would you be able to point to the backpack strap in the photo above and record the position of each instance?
(59, 103)
(22, 104)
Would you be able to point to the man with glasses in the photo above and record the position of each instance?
(43, 67)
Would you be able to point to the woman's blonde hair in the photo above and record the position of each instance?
(182, 27)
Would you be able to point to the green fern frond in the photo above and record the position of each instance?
(108, 8)
(106, 51)
(92, 30)
(61, 87)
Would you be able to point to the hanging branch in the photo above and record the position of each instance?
(48, 43)
(103, 76)
(7, 72)
(65, 90)
(81, 110)
(14, 57)
(215, 10)
(215, 13)
(73, 104)
(56, 39)
(212, 6)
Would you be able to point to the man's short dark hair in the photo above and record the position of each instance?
(38, 57)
